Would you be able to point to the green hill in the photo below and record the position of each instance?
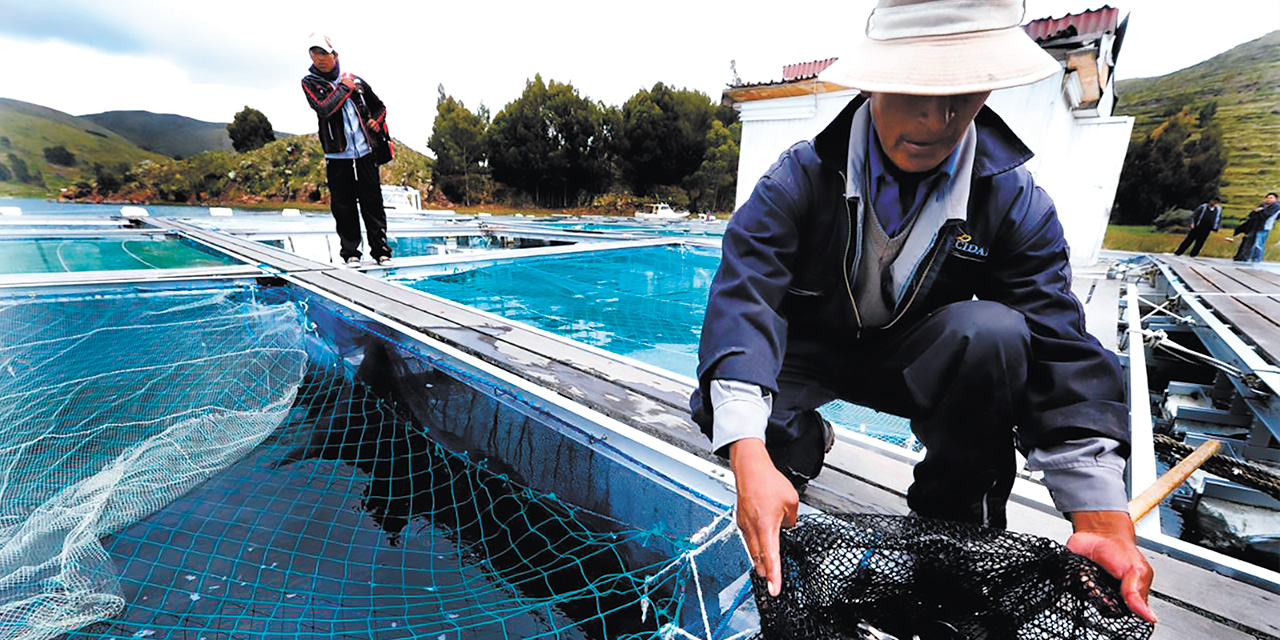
(172, 135)
(287, 170)
(26, 130)
(1245, 82)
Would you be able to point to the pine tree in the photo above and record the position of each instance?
(250, 130)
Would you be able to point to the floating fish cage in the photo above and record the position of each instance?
(244, 457)
(239, 441)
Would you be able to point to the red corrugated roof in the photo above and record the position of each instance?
(805, 69)
(1096, 21)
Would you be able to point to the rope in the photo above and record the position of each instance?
(1239, 471)
(1160, 339)
(1163, 308)
(714, 533)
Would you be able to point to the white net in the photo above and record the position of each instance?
(110, 411)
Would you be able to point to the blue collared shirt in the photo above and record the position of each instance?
(898, 198)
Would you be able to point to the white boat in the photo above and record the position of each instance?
(661, 211)
(401, 198)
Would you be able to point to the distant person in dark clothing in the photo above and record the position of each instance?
(1256, 228)
(1204, 220)
(353, 134)
(1267, 212)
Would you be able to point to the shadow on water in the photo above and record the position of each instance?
(380, 424)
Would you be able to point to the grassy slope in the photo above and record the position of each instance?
(1148, 240)
(30, 128)
(1246, 83)
(169, 134)
(287, 170)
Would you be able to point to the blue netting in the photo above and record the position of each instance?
(208, 465)
(645, 303)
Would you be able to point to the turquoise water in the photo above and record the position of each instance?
(39, 207)
(646, 303)
(56, 255)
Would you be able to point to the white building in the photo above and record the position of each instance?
(1065, 119)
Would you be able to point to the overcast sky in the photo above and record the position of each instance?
(207, 60)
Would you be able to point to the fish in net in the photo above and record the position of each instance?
(864, 576)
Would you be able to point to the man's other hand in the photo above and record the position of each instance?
(1108, 538)
(373, 124)
(766, 503)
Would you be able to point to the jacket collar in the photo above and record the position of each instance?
(998, 149)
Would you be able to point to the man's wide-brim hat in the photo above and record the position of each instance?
(943, 47)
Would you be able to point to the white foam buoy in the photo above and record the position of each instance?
(10, 211)
(133, 213)
(219, 212)
(290, 212)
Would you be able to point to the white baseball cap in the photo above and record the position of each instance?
(319, 40)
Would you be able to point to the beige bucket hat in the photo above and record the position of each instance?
(943, 47)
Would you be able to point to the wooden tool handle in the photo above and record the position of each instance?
(1165, 484)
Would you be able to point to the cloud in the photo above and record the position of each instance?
(229, 42)
(70, 22)
(207, 60)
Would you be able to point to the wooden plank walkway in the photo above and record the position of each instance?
(1247, 297)
(1191, 602)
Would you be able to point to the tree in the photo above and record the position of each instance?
(548, 143)
(1177, 164)
(712, 186)
(5, 175)
(458, 140)
(250, 130)
(664, 135)
(60, 156)
(1206, 158)
(110, 179)
(22, 173)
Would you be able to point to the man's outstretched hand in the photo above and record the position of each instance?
(766, 503)
(1107, 538)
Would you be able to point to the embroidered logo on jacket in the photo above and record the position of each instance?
(965, 244)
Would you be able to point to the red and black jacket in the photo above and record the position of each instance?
(327, 98)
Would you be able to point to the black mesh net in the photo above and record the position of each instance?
(862, 576)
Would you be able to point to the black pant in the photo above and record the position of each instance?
(352, 182)
(1197, 235)
(958, 374)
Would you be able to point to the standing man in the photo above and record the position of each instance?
(353, 134)
(1204, 220)
(1267, 212)
(905, 260)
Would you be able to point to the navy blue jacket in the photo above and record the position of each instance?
(787, 249)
